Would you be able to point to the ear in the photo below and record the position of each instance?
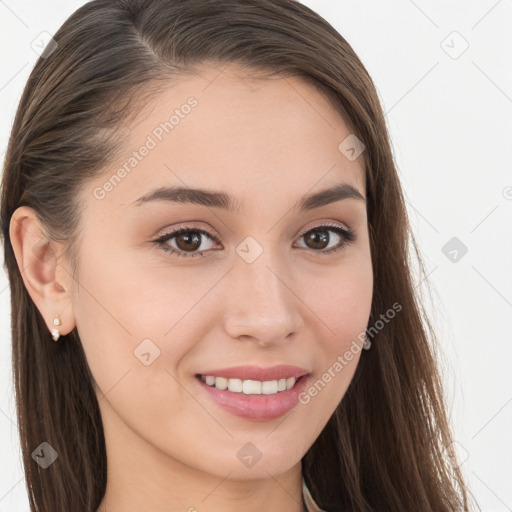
(47, 281)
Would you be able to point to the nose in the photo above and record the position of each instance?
(261, 304)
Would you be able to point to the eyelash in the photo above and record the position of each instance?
(347, 235)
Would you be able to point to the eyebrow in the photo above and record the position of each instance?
(221, 200)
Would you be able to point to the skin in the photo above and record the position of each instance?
(267, 143)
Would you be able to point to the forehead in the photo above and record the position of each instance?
(226, 130)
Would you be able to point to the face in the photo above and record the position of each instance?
(184, 285)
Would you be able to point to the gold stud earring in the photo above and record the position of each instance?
(55, 332)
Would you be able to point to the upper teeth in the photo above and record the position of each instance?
(250, 387)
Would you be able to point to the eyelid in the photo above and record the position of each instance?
(190, 226)
(324, 224)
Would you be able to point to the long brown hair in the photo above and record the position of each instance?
(388, 444)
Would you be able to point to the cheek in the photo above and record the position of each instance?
(341, 307)
(342, 300)
(125, 321)
(138, 321)
(132, 349)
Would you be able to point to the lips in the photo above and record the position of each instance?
(255, 406)
(282, 371)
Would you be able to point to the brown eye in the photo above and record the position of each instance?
(188, 241)
(185, 240)
(318, 238)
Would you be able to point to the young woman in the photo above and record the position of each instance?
(207, 247)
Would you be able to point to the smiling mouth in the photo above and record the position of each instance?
(249, 386)
(252, 399)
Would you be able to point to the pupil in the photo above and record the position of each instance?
(319, 236)
(188, 238)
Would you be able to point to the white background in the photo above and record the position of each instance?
(451, 127)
